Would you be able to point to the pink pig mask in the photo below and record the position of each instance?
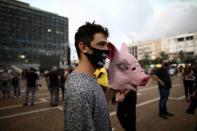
(124, 70)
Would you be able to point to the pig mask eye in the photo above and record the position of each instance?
(123, 66)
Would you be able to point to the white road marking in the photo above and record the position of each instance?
(28, 112)
(138, 105)
(38, 94)
(41, 94)
(145, 89)
(150, 101)
(150, 88)
(112, 113)
(60, 107)
(178, 98)
(19, 105)
(43, 100)
(147, 102)
(40, 89)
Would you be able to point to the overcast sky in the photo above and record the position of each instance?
(127, 20)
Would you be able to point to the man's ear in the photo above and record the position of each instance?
(83, 48)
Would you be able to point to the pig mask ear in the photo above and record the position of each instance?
(112, 51)
(124, 48)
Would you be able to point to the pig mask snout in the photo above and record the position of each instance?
(144, 81)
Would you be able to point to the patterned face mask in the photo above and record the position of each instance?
(98, 57)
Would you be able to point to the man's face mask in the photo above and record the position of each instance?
(98, 57)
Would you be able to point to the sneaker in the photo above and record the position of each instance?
(169, 114)
(163, 116)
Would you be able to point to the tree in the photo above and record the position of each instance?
(146, 56)
(189, 57)
(181, 56)
(173, 61)
(164, 56)
(146, 59)
(156, 60)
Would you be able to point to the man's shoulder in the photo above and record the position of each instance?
(80, 85)
(81, 92)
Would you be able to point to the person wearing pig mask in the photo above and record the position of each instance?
(126, 110)
(125, 74)
(164, 81)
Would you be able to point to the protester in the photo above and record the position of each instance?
(164, 82)
(126, 110)
(63, 76)
(6, 83)
(102, 78)
(31, 78)
(192, 106)
(85, 105)
(53, 80)
(188, 81)
(15, 84)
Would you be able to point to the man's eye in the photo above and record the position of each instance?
(102, 43)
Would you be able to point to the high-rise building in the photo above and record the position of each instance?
(28, 34)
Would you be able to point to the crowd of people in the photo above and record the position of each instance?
(10, 83)
(82, 90)
(86, 92)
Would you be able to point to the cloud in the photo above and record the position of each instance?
(127, 20)
(141, 19)
(122, 18)
(177, 18)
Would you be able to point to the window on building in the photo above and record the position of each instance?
(189, 37)
(180, 39)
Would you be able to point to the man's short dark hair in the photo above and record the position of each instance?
(86, 33)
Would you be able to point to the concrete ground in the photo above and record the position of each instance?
(42, 117)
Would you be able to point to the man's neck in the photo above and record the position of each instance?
(85, 67)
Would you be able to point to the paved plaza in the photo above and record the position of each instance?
(42, 117)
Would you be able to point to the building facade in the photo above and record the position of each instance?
(185, 42)
(28, 34)
(144, 49)
(170, 45)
